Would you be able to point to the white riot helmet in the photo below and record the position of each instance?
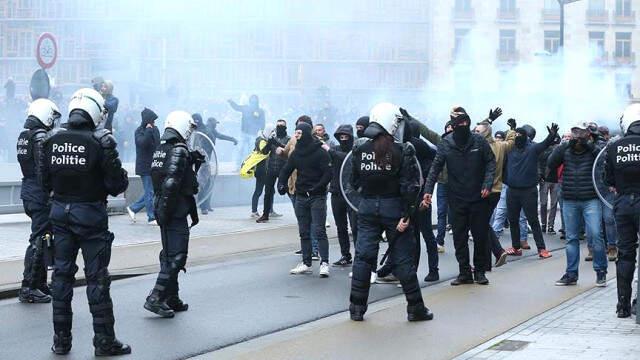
(387, 117)
(631, 114)
(45, 111)
(91, 102)
(181, 122)
(268, 131)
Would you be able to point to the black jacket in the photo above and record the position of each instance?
(542, 161)
(622, 166)
(577, 181)
(338, 154)
(471, 168)
(252, 118)
(147, 140)
(275, 162)
(314, 169)
(30, 156)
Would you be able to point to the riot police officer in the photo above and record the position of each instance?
(385, 172)
(622, 172)
(81, 168)
(174, 185)
(41, 116)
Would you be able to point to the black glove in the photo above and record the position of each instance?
(494, 114)
(553, 129)
(282, 189)
(406, 115)
(512, 123)
(198, 159)
(235, 142)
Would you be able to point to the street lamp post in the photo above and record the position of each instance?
(562, 3)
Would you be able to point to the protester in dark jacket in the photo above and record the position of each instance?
(342, 212)
(211, 129)
(522, 195)
(274, 165)
(252, 121)
(548, 192)
(110, 103)
(147, 139)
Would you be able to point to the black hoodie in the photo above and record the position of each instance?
(312, 163)
(147, 140)
(338, 153)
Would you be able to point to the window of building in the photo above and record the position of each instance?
(463, 5)
(507, 6)
(552, 41)
(596, 42)
(596, 5)
(458, 45)
(623, 44)
(551, 5)
(507, 42)
(623, 7)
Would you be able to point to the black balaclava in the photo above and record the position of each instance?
(346, 145)
(281, 131)
(212, 123)
(198, 119)
(363, 121)
(148, 117)
(500, 134)
(521, 140)
(461, 133)
(307, 138)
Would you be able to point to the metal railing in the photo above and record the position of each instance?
(463, 14)
(507, 57)
(625, 19)
(623, 60)
(550, 15)
(597, 16)
(508, 14)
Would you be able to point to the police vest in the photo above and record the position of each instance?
(74, 161)
(24, 147)
(376, 180)
(624, 154)
(160, 165)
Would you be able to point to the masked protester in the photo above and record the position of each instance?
(253, 120)
(41, 116)
(471, 167)
(274, 165)
(313, 165)
(385, 171)
(622, 174)
(261, 146)
(342, 213)
(500, 150)
(173, 172)
(441, 198)
(361, 125)
(81, 169)
(522, 178)
(580, 201)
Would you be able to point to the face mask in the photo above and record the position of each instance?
(461, 134)
(360, 133)
(281, 131)
(346, 145)
(521, 141)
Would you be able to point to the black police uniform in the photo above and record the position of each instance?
(35, 201)
(174, 185)
(82, 167)
(622, 171)
(388, 195)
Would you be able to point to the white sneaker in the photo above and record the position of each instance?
(153, 222)
(324, 270)
(374, 277)
(350, 274)
(301, 269)
(132, 215)
(255, 215)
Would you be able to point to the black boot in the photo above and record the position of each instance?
(432, 276)
(634, 306)
(109, 346)
(624, 278)
(357, 311)
(61, 343)
(462, 279)
(156, 305)
(480, 278)
(418, 312)
(176, 304)
(623, 309)
(33, 296)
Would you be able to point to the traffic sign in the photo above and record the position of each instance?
(47, 50)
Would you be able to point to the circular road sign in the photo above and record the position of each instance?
(47, 50)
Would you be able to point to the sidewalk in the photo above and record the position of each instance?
(583, 328)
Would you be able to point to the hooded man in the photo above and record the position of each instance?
(471, 167)
(361, 125)
(253, 120)
(342, 212)
(147, 137)
(313, 166)
(274, 165)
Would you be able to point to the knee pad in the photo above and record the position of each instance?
(178, 262)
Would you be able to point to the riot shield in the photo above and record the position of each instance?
(597, 175)
(351, 195)
(209, 170)
(39, 86)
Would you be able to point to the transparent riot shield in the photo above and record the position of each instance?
(209, 170)
(351, 195)
(39, 86)
(597, 175)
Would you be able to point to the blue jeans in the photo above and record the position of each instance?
(589, 212)
(146, 200)
(443, 209)
(311, 212)
(500, 214)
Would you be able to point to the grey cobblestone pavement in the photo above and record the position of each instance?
(583, 328)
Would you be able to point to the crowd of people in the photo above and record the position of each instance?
(379, 181)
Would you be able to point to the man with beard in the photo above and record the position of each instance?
(622, 174)
(342, 213)
(274, 165)
(521, 176)
(580, 201)
(471, 167)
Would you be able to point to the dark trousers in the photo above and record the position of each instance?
(495, 247)
(173, 257)
(311, 213)
(269, 191)
(443, 211)
(527, 200)
(472, 216)
(35, 270)
(72, 231)
(261, 176)
(627, 213)
(425, 227)
(343, 216)
(548, 197)
(374, 217)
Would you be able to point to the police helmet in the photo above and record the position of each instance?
(91, 102)
(387, 118)
(631, 115)
(45, 111)
(181, 122)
